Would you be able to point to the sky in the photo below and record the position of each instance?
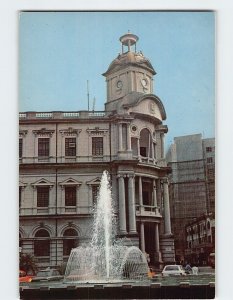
(60, 51)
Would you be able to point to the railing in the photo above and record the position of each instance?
(71, 115)
(147, 210)
(44, 115)
(161, 162)
(22, 116)
(61, 115)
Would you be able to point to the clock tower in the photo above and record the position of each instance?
(131, 73)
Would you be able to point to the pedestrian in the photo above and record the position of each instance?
(188, 268)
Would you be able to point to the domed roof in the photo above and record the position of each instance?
(130, 59)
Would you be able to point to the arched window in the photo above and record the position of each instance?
(42, 243)
(70, 241)
(145, 143)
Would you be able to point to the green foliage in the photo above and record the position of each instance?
(28, 263)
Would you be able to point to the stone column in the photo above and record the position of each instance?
(128, 138)
(154, 193)
(120, 136)
(155, 202)
(156, 237)
(140, 193)
(131, 199)
(138, 144)
(122, 212)
(158, 190)
(162, 145)
(167, 220)
(149, 148)
(142, 235)
(153, 150)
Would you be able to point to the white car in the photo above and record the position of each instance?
(173, 270)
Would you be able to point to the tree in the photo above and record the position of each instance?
(27, 263)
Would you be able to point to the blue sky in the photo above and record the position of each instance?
(60, 51)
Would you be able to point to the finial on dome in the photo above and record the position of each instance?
(128, 40)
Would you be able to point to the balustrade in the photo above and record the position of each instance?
(61, 115)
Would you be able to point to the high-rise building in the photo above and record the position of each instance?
(63, 154)
(192, 191)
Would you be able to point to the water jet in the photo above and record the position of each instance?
(105, 259)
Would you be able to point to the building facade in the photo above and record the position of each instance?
(200, 240)
(192, 184)
(62, 156)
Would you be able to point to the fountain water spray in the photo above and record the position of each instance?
(103, 221)
(105, 258)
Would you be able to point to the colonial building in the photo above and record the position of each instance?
(192, 184)
(200, 239)
(62, 156)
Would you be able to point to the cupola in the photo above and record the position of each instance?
(130, 72)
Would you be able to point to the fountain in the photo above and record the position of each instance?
(105, 259)
(107, 269)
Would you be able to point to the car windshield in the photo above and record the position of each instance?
(171, 268)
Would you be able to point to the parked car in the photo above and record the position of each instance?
(47, 275)
(23, 277)
(173, 270)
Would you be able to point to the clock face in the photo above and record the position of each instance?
(144, 82)
(119, 84)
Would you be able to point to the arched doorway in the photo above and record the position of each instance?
(42, 245)
(70, 241)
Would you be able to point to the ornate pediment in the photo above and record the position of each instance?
(42, 182)
(70, 181)
(97, 131)
(22, 184)
(43, 132)
(22, 133)
(70, 132)
(95, 181)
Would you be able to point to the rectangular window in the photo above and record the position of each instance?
(43, 147)
(208, 149)
(42, 196)
(70, 196)
(97, 146)
(95, 189)
(209, 160)
(70, 147)
(20, 148)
